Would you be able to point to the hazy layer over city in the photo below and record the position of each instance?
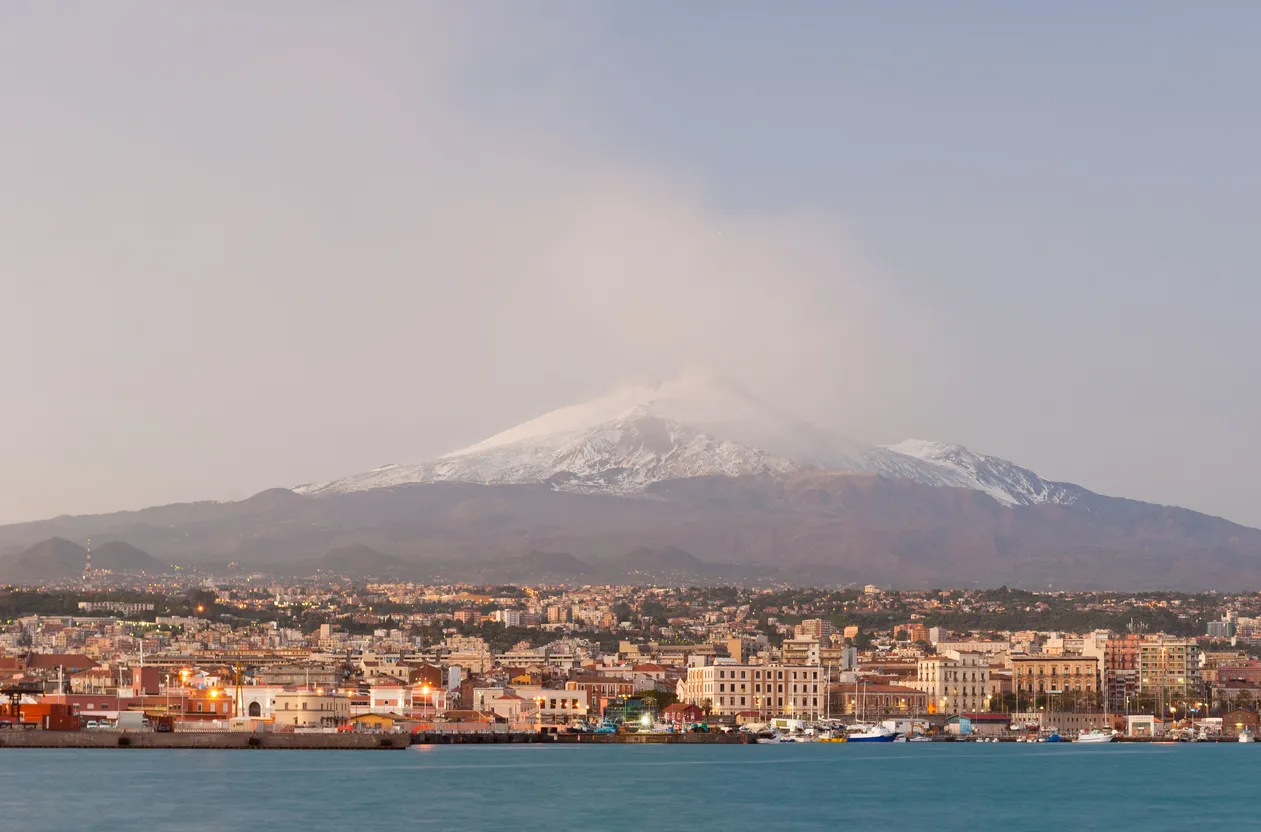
(267, 244)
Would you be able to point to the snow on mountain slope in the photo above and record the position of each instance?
(692, 427)
(1004, 481)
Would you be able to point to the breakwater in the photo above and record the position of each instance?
(266, 740)
(477, 738)
(207, 739)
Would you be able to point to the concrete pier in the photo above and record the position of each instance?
(218, 739)
(473, 738)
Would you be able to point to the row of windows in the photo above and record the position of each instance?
(757, 688)
(796, 701)
(1077, 670)
(1042, 686)
(954, 676)
(757, 674)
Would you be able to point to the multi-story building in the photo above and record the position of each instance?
(1042, 675)
(556, 707)
(955, 682)
(1120, 669)
(1221, 629)
(801, 650)
(771, 690)
(310, 708)
(875, 701)
(602, 689)
(817, 628)
(1168, 667)
(469, 652)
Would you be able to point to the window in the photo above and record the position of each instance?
(741, 674)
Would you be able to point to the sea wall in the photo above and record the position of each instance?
(224, 739)
(474, 738)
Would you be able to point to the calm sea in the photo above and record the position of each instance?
(940, 787)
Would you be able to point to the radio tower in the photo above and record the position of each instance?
(87, 566)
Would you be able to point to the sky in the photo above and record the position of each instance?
(253, 245)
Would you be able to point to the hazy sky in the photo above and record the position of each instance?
(255, 244)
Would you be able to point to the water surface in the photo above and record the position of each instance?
(649, 788)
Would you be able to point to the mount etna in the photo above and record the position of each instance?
(696, 480)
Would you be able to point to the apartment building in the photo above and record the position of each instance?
(770, 690)
(1169, 666)
(1041, 674)
(801, 650)
(1120, 668)
(955, 682)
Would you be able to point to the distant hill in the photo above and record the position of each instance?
(554, 567)
(361, 561)
(57, 559)
(117, 556)
(660, 561)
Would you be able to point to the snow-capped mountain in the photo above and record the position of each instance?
(692, 427)
(1004, 481)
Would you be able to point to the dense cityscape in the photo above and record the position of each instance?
(112, 653)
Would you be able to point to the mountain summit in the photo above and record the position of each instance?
(699, 480)
(698, 426)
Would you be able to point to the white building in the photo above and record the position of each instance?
(726, 689)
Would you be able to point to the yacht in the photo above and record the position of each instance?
(870, 733)
(1246, 736)
(769, 738)
(1096, 735)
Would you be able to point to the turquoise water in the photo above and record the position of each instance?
(940, 787)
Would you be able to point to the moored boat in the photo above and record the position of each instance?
(1096, 735)
(870, 733)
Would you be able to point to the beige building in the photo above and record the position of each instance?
(801, 650)
(1169, 665)
(557, 707)
(310, 708)
(1040, 674)
(469, 652)
(770, 690)
(955, 682)
(990, 648)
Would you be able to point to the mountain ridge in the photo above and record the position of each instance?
(627, 440)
